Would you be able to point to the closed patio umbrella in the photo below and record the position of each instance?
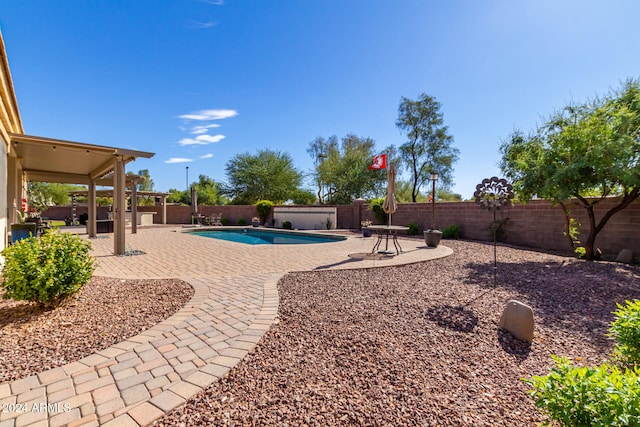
(194, 200)
(390, 206)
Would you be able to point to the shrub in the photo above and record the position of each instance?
(413, 229)
(286, 224)
(264, 209)
(583, 396)
(46, 270)
(375, 206)
(625, 329)
(451, 232)
(226, 221)
(242, 221)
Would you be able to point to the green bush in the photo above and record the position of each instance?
(625, 329)
(242, 221)
(226, 221)
(264, 209)
(451, 232)
(375, 206)
(583, 396)
(413, 229)
(286, 224)
(46, 270)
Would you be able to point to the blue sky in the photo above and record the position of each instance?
(199, 81)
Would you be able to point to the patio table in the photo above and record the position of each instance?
(383, 232)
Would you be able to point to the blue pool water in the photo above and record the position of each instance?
(250, 236)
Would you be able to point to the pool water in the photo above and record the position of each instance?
(250, 236)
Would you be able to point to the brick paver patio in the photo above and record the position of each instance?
(136, 381)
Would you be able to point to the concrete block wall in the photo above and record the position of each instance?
(538, 224)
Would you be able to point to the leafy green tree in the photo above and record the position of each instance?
(209, 191)
(146, 184)
(428, 148)
(583, 152)
(448, 196)
(404, 193)
(268, 174)
(341, 172)
(303, 197)
(177, 196)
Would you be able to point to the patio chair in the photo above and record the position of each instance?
(216, 219)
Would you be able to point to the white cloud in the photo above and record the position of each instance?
(206, 115)
(201, 140)
(207, 156)
(199, 24)
(197, 130)
(178, 160)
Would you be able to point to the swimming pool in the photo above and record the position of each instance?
(251, 236)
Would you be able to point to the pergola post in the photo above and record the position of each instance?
(164, 209)
(134, 207)
(92, 211)
(119, 206)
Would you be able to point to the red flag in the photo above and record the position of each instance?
(379, 162)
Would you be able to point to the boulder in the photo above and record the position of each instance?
(517, 319)
(625, 256)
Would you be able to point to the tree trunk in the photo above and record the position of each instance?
(594, 229)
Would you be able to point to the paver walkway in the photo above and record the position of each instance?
(136, 381)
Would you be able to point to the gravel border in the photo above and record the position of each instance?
(106, 311)
(417, 344)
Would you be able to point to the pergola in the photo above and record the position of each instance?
(133, 193)
(53, 160)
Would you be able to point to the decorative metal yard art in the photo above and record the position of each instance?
(493, 193)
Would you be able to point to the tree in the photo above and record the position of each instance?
(428, 148)
(341, 172)
(267, 175)
(583, 152)
(177, 196)
(209, 191)
(146, 184)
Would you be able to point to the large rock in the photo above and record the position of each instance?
(625, 256)
(517, 319)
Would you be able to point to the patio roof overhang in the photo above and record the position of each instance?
(59, 161)
(55, 160)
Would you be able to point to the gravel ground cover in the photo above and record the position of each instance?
(106, 311)
(418, 344)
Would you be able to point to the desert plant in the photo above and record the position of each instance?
(241, 221)
(584, 396)
(47, 270)
(264, 209)
(413, 229)
(451, 232)
(375, 206)
(286, 224)
(625, 329)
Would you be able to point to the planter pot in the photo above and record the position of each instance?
(23, 231)
(432, 238)
(366, 232)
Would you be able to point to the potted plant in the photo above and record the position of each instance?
(23, 229)
(366, 232)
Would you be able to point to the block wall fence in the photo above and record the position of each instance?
(537, 224)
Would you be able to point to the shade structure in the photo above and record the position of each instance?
(390, 206)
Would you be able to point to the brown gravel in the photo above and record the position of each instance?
(106, 311)
(417, 345)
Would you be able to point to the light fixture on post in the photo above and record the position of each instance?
(432, 236)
